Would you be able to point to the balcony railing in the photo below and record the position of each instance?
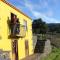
(17, 31)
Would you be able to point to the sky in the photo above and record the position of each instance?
(48, 10)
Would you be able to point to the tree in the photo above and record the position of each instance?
(39, 26)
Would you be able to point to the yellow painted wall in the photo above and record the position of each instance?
(5, 43)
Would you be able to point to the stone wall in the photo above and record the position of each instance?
(4, 55)
(48, 47)
(34, 41)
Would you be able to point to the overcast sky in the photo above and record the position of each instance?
(48, 10)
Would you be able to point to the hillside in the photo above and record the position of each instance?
(54, 27)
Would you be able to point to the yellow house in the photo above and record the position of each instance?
(15, 42)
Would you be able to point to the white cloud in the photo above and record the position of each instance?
(44, 17)
(49, 13)
(37, 14)
(42, 4)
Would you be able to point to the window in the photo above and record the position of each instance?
(13, 18)
(15, 24)
(25, 25)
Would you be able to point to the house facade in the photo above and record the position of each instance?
(15, 32)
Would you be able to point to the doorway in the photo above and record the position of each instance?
(15, 49)
(26, 48)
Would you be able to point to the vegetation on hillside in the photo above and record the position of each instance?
(39, 26)
(54, 27)
(54, 55)
(51, 30)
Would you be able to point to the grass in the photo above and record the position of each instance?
(54, 55)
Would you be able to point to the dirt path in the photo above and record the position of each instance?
(36, 56)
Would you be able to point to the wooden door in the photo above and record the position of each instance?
(26, 48)
(15, 49)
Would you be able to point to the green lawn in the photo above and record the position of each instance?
(54, 55)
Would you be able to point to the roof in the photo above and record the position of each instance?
(15, 8)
